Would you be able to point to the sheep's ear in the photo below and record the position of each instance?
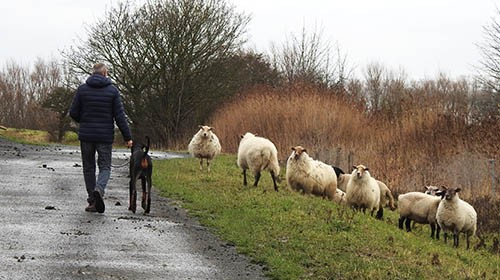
(367, 169)
(241, 136)
(200, 126)
(293, 148)
(211, 128)
(444, 188)
(355, 167)
(304, 150)
(427, 187)
(458, 189)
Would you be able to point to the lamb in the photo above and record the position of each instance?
(342, 180)
(421, 208)
(362, 190)
(455, 215)
(310, 176)
(204, 145)
(339, 197)
(258, 154)
(386, 198)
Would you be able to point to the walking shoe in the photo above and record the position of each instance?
(99, 203)
(90, 208)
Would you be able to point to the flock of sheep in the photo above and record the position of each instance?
(441, 208)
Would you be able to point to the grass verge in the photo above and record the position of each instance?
(298, 237)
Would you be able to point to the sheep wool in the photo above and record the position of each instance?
(362, 191)
(342, 181)
(204, 145)
(455, 215)
(310, 176)
(419, 207)
(258, 154)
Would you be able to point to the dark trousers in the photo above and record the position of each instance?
(92, 183)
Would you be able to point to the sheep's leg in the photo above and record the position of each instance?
(468, 236)
(208, 165)
(455, 239)
(401, 221)
(257, 178)
(244, 177)
(201, 163)
(445, 237)
(274, 180)
(433, 229)
(438, 229)
(408, 225)
(380, 213)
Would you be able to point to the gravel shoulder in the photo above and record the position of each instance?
(46, 234)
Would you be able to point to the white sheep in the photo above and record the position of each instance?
(204, 145)
(258, 154)
(455, 215)
(362, 190)
(310, 176)
(339, 197)
(386, 199)
(419, 207)
(342, 180)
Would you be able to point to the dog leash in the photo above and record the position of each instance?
(121, 165)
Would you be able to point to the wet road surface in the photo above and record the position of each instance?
(46, 234)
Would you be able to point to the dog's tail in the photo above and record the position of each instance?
(147, 146)
(144, 161)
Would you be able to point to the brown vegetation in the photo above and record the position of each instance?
(424, 144)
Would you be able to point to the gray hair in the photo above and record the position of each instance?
(99, 68)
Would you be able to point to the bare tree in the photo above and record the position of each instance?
(163, 57)
(308, 58)
(490, 69)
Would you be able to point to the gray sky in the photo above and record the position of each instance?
(423, 37)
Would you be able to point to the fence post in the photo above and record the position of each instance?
(493, 177)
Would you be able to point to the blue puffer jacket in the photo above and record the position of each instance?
(96, 106)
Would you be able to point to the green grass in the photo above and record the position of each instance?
(300, 237)
(26, 136)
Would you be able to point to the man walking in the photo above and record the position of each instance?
(96, 107)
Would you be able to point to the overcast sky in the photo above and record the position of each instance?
(423, 37)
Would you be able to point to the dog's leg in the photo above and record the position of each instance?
(133, 193)
(149, 183)
(144, 192)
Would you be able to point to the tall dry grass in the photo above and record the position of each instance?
(422, 147)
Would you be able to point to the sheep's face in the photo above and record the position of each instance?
(360, 170)
(297, 151)
(449, 194)
(432, 190)
(205, 131)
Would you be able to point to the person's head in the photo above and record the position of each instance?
(100, 68)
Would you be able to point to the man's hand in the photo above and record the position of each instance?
(130, 143)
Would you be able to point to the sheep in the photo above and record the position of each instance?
(339, 197)
(432, 190)
(362, 190)
(258, 154)
(386, 199)
(310, 176)
(421, 208)
(455, 215)
(342, 180)
(204, 145)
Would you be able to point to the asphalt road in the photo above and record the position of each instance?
(46, 234)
